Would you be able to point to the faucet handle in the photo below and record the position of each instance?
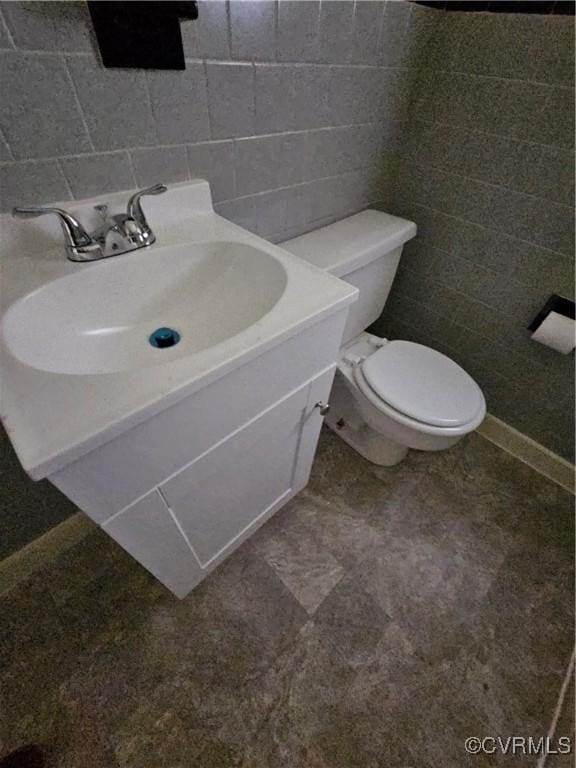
(136, 215)
(134, 207)
(75, 234)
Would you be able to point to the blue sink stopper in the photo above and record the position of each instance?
(164, 337)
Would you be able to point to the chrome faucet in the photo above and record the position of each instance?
(117, 234)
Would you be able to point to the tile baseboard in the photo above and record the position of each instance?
(530, 452)
(21, 564)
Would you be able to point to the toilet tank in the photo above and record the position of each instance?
(364, 250)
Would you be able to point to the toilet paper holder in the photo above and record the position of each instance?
(562, 310)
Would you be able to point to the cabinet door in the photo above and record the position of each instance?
(147, 530)
(226, 493)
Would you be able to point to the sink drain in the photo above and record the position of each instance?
(164, 337)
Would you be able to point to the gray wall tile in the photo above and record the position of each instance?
(215, 163)
(355, 95)
(253, 29)
(487, 173)
(207, 36)
(162, 164)
(115, 103)
(270, 162)
(180, 104)
(231, 100)
(49, 26)
(553, 54)
(5, 37)
(94, 175)
(241, 211)
(281, 210)
(31, 183)
(336, 21)
(5, 153)
(367, 25)
(298, 25)
(334, 151)
(291, 97)
(39, 115)
(393, 34)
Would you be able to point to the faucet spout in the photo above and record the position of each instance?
(74, 233)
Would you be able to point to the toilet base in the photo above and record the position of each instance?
(345, 420)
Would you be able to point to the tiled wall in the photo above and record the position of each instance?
(487, 172)
(290, 109)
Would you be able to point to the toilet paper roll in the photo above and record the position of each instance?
(557, 332)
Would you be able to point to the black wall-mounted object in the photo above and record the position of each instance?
(142, 35)
(556, 7)
(557, 304)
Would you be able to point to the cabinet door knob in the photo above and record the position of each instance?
(322, 407)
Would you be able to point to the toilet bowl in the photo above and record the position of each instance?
(424, 387)
(388, 396)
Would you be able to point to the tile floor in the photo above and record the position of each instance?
(379, 619)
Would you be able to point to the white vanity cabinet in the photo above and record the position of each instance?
(182, 490)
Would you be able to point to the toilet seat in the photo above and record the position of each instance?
(422, 384)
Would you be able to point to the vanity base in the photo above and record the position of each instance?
(181, 491)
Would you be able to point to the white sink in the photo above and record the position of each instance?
(99, 319)
(76, 365)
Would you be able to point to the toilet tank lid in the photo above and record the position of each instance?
(351, 243)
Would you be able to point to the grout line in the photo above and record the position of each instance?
(490, 229)
(515, 139)
(8, 147)
(77, 102)
(470, 132)
(208, 100)
(151, 105)
(500, 187)
(452, 72)
(193, 143)
(131, 166)
(558, 709)
(39, 52)
(271, 63)
(65, 177)
(9, 35)
(276, 28)
(228, 28)
(558, 254)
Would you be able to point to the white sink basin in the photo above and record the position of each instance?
(98, 320)
(76, 365)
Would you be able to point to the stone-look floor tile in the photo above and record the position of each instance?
(90, 559)
(301, 713)
(446, 703)
(307, 570)
(188, 661)
(337, 528)
(70, 731)
(525, 632)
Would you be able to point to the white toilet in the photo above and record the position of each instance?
(388, 396)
